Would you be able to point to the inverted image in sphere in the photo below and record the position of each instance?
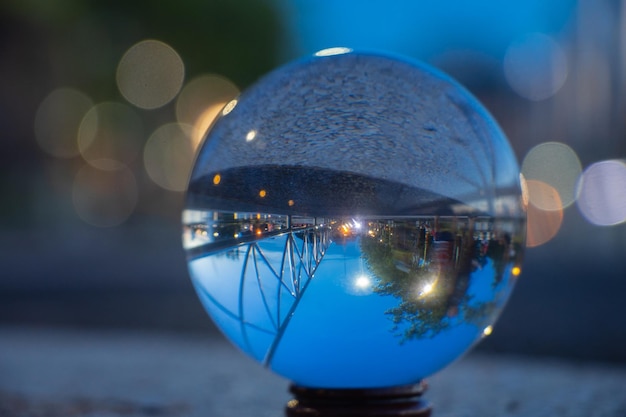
(354, 220)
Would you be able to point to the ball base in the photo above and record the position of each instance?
(376, 402)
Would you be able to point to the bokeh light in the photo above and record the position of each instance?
(150, 74)
(542, 225)
(202, 99)
(204, 122)
(535, 66)
(57, 121)
(557, 165)
(169, 154)
(105, 197)
(602, 193)
(110, 131)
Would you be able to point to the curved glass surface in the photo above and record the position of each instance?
(354, 221)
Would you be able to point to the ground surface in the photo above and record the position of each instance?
(65, 373)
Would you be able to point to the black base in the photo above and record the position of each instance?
(403, 401)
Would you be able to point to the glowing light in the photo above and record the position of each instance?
(229, 107)
(105, 198)
(524, 188)
(216, 179)
(516, 271)
(251, 135)
(204, 122)
(487, 330)
(290, 203)
(58, 119)
(557, 165)
(216, 234)
(262, 193)
(193, 216)
(202, 100)
(168, 156)
(150, 74)
(602, 196)
(258, 232)
(110, 131)
(535, 66)
(427, 289)
(542, 225)
(333, 51)
(201, 93)
(362, 282)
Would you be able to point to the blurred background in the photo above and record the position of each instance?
(102, 105)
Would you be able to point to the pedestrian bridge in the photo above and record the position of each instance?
(253, 288)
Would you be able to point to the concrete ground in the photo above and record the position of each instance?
(65, 373)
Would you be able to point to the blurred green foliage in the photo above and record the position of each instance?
(47, 44)
(236, 39)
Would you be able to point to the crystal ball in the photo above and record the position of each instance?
(354, 220)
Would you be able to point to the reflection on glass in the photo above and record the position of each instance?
(354, 221)
(313, 296)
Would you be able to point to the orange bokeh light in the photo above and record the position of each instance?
(542, 225)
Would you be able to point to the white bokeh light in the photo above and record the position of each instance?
(110, 131)
(168, 155)
(535, 66)
(602, 193)
(150, 74)
(557, 165)
(57, 121)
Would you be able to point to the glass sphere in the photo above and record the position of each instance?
(354, 220)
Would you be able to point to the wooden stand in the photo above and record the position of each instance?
(403, 401)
